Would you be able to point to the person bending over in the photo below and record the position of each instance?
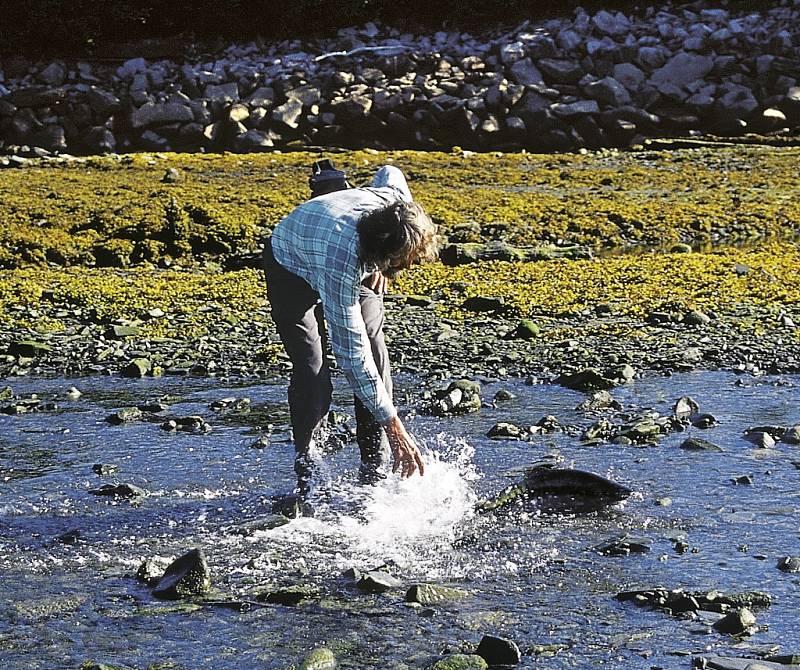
(329, 261)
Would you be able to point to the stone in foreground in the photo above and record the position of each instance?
(498, 651)
(431, 594)
(186, 576)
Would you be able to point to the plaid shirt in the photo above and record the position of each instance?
(318, 241)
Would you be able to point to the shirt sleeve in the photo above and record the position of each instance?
(350, 344)
(392, 177)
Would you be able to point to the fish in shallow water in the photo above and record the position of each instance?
(559, 489)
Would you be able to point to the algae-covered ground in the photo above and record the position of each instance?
(142, 240)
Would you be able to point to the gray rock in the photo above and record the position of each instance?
(624, 546)
(186, 576)
(125, 415)
(151, 570)
(289, 595)
(561, 71)
(714, 662)
(575, 109)
(685, 406)
(103, 102)
(760, 439)
(740, 622)
(137, 368)
(738, 102)
(512, 53)
(505, 431)
(152, 114)
(696, 318)
(683, 69)
(792, 436)
(789, 564)
(254, 141)
(599, 400)
(288, 113)
(696, 444)
(630, 76)
(222, 93)
(99, 140)
(525, 73)
(352, 108)
(569, 40)
(263, 96)
(54, 74)
(608, 91)
(431, 594)
(498, 651)
(611, 24)
(37, 96)
(376, 581)
(651, 58)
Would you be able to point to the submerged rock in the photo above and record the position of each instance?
(735, 663)
(789, 564)
(186, 576)
(289, 595)
(377, 581)
(460, 662)
(498, 651)
(125, 415)
(319, 659)
(624, 546)
(118, 491)
(792, 436)
(740, 622)
(431, 594)
(697, 444)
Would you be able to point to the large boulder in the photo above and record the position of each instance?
(608, 91)
(682, 69)
(187, 576)
(155, 114)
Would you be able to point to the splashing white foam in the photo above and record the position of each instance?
(411, 523)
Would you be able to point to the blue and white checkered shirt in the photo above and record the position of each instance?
(319, 242)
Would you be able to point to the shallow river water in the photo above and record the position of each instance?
(532, 577)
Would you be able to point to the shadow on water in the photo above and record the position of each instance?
(531, 573)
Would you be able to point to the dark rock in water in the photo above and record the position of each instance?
(602, 430)
(186, 576)
(775, 432)
(319, 659)
(789, 564)
(118, 491)
(760, 439)
(792, 436)
(188, 424)
(461, 397)
(624, 546)
(703, 420)
(230, 404)
(151, 570)
(597, 401)
(696, 444)
(261, 443)
(6, 393)
(289, 595)
(104, 469)
(377, 581)
(549, 424)
(125, 415)
(743, 480)
(685, 407)
(460, 662)
(498, 651)
(646, 431)
(740, 622)
(678, 602)
(70, 537)
(503, 395)
(592, 379)
(585, 380)
(505, 431)
(430, 594)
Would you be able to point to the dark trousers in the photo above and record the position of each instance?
(297, 313)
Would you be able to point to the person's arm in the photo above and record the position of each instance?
(350, 345)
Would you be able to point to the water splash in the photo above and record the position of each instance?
(408, 523)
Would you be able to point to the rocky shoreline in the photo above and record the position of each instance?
(606, 79)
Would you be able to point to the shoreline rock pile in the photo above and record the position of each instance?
(607, 79)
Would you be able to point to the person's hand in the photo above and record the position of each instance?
(377, 281)
(406, 454)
